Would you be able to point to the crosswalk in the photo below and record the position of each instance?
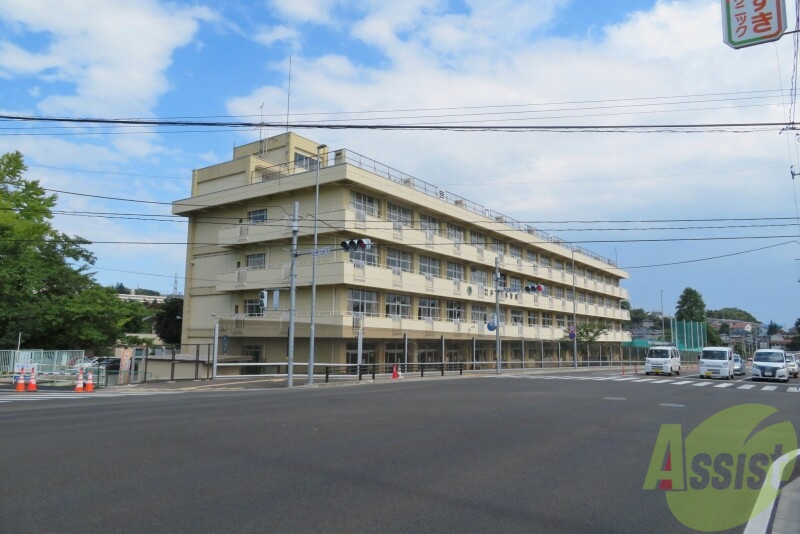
(13, 396)
(664, 382)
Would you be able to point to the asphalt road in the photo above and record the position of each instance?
(471, 454)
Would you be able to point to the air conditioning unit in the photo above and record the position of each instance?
(429, 277)
(459, 202)
(396, 271)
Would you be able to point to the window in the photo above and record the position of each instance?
(570, 295)
(399, 259)
(399, 214)
(428, 308)
(545, 290)
(477, 238)
(426, 222)
(399, 305)
(478, 313)
(367, 257)
(367, 204)
(257, 216)
(455, 271)
(363, 301)
(533, 319)
(252, 307)
(516, 284)
(256, 261)
(581, 297)
(428, 265)
(516, 316)
(561, 321)
(498, 245)
(455, 310)
(478, 275)
(547, 319)
(454, 232)
(515, 251)
(559, 293)
(559, 264)
(545, 260)
(530, 256)
(305, 162)
(591, 298)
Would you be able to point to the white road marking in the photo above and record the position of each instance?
(702, 384)
(747, 386)
(769, 388)
(672, 405)
(724, 385)
(681, 383)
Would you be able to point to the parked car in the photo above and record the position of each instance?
(791, 366)
(739, 367)
(769, 364)
(108, 363)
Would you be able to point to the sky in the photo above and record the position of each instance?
(712, 208)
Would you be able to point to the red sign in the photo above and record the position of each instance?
(752, 22)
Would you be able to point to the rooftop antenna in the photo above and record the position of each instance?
(288, 101)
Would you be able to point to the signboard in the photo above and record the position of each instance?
(752, 22)
(320, 251)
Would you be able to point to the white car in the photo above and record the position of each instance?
(769, 364)
(716, 362)
(663, 359)
(791, 366)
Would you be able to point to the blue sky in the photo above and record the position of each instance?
(715, 211)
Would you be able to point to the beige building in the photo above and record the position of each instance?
(424, 291)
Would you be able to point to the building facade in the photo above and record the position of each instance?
(426, 289)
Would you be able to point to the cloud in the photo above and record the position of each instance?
(114, 55)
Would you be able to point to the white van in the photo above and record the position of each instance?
(662, 359)
(716, 362)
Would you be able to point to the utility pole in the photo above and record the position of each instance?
(498, 346)
(575, 316)
(292, 295)
(312, 325)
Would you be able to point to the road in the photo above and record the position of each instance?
(560, 451)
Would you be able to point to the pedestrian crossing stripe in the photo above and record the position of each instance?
(697, 383)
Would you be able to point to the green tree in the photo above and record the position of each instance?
(773, 328)
(49, 296)
(638, 315)
(734, 314)
(168, 321)
(589, 332)
(690, 306)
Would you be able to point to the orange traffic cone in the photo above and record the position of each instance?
(32, 380)
(21, 380)
(79, 384)
(89, 383)
(394, 372)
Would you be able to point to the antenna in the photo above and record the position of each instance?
(289, 94)
(261, 124)
(175, 286)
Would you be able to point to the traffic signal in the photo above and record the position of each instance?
(533, 287)
(263, 297)
(356, 244)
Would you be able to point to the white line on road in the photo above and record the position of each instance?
(671, 405)
(793, 389)
(747, 386)
(769, 388)
(702, 384)
(682, 382)
(615, 398)
(724, 385)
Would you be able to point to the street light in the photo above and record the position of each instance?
(216, 343)
(313, 323)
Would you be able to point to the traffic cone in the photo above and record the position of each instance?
(21, 380)
(394, 372)
(79, 384)
(32, 380)
(89, 383)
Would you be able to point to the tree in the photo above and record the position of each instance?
(589, 332)
(638, 315)
(773, 328)
(168, 321)
(734, 314)
(49, 297)
(690, 306)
